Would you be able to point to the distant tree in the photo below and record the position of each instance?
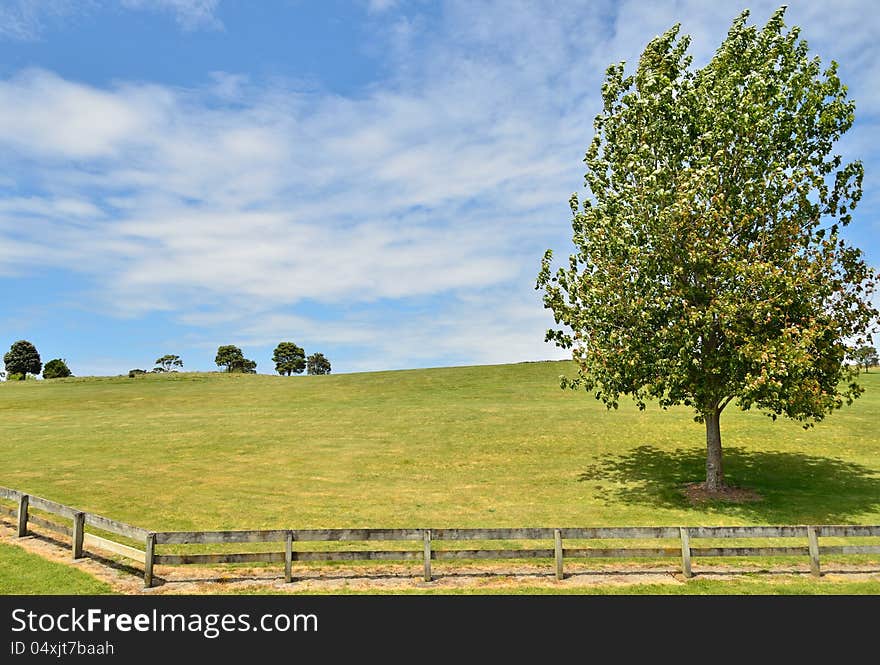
(136, 372)
(158, 370)
(233, 360)
(318, 364)
(227, 356)
(22, 359)
(56, 369)
(169, 362)
(289, 358)
(244, 366)
(865, 356)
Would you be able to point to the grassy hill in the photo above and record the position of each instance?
(466, 446)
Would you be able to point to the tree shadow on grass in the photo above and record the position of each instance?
(795, 488)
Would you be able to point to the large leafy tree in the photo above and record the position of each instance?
(169, 363)
(289, 358)
(709, 265)
(22, 359)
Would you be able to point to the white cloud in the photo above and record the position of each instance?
(41, 113)
(41, 207)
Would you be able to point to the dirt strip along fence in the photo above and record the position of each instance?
(149, 556)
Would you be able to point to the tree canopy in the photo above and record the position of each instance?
(318, 364)
(289, 358)
(169, 363)
(232, 358)
(56, 369)
(244, 366)
(227, 356)
(710, 265)
(865, 356)
(22, 359)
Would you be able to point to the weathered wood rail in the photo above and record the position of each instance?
(149, 557)
(79, 520)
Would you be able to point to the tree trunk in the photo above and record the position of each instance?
(714, 468)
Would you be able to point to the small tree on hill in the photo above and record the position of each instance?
(56, 369)
(318, 364)
(865, 356)
(233, 359)
(169, 363)
(22, 359)
(227, 356)
(289, 358)
(709, 264)
(244, 366)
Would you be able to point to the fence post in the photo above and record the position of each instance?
(813, 538)
(427, 555)
(288, 558)
(685, 552)
(79, 523)
(23, 501)
(557, 535)
(149, 546)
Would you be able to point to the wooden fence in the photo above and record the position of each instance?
(428, 538)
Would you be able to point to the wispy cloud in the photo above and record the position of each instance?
(26, 20)
(288, 198)
(381, 6)
(23, 20)
(190, 14)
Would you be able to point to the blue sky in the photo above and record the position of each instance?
(375, 180)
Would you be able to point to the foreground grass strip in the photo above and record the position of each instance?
(24, 573)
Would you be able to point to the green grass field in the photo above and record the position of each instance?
(468, 446)
(25, 573)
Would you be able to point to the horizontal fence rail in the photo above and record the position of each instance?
(79, 519)
(428, 538)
